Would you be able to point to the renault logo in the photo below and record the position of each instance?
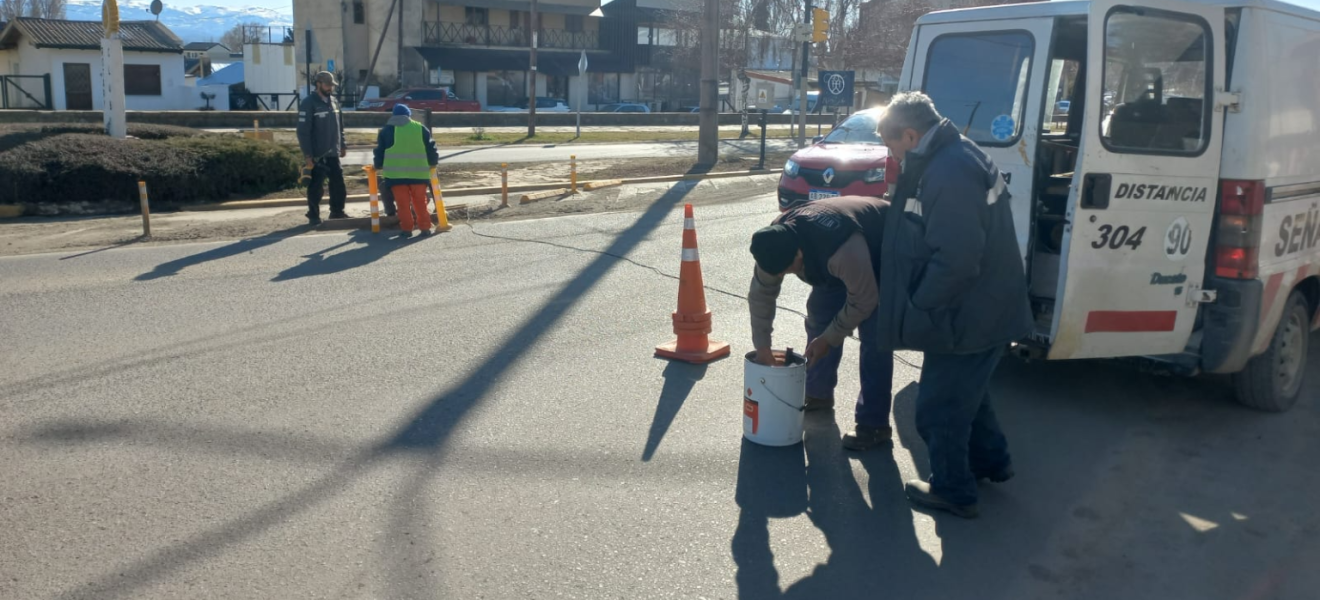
(828, 176)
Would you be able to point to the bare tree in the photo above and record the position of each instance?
(41, 9)
(244, 33)
(11, 9)
(46, 9)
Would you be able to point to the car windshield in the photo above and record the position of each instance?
(399, 94)
(857, 129)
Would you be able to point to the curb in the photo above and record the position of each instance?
(483, 191)
(539, 196)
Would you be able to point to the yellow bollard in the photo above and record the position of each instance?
(572, 168)
(374, 190)
(504, 185)
(256, 126)
(146, 209)
(441, 216)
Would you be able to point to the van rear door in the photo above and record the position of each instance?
(1144, 192)
(988, 77)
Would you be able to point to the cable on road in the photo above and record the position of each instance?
(655, 270)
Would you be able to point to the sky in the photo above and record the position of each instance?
(281, 5)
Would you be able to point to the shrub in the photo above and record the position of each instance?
(79, 167)
(13, 136)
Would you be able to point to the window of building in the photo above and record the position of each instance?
(644, 36)
(603, 88)
(573, 23)
(477, 16)
(506, 88)
(359, 12)
(515, 17)
(142, 80)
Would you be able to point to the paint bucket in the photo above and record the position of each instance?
(774, 399)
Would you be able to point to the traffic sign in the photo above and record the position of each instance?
(836, 88)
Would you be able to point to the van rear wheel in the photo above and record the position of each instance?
(1272, 382)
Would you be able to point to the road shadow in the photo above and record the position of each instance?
(905, 422)
(173, 267)
(420, 440)
(680, 378)
(140, 238)
(870, 544)
(364, 248)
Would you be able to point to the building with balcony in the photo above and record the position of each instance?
(637, 50)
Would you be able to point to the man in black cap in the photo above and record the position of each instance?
(321, 137)
(833, 243)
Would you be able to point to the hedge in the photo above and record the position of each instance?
(81, 167)
(13, 136)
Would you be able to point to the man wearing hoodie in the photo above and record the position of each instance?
(952, 285)
(404, 155)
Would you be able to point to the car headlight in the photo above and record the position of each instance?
(874, 175)
(791, 168)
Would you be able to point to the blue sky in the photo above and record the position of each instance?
(281, 5)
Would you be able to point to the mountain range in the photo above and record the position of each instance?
(190, 23)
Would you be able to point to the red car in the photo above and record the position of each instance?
(850, 161)
(436, 99)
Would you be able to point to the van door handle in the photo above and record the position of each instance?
(1095, 190)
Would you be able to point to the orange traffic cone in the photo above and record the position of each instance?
(692, 320)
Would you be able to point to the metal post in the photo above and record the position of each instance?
(374, 188)
(802, 85)
(708, 144)
(504, 185)
(572, 169)
(146, 209)
(761, 165)
(535, 26)
(441, 214)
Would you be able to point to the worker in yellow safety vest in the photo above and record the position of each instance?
(404, 155)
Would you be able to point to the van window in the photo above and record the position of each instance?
(1156, 90)
(979, 81)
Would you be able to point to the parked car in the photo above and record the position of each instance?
(436, 99)
(543, 104)
(625, 108)
(1061, 107)
(850, 161)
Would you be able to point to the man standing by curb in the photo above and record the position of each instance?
(953, 286)
(321, 138)
(405, 154)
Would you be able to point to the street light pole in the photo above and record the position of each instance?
(708, 148)
(802, 84)
(535, 26)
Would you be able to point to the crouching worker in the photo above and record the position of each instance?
(833, 245)
(405, 154)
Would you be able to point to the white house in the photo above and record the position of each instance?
(69, 52)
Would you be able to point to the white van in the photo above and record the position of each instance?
(1175, 215)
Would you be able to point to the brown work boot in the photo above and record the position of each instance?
(863, 437)
(919, 493)
(814, 403)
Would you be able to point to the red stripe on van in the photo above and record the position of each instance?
(1130, 321)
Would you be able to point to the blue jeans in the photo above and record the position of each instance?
(877, 368)
(956, 421)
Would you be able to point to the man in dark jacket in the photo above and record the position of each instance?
(952, 286)
(405, 154)
(832, 243)
(321, 138)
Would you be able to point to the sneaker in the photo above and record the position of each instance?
(339, 215)
(814, 403)
(865, 438)
(426, 232)
(313, 220)
(999, 476)
(403, 235)
(918, 492)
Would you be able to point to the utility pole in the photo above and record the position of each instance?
(802, 84)
(708, 138)
(535, 26)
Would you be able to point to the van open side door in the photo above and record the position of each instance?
(1143, 198)
(987, 77)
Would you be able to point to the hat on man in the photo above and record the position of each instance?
(402, 110)
(326, 77)
(774, 248)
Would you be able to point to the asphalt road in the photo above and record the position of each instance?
(515, 153)
(349, 416)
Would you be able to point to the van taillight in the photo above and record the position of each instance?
(1237, 243)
